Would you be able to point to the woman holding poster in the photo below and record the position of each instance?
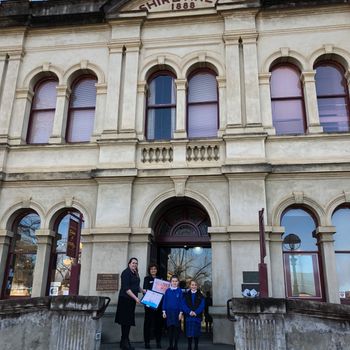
(130, 287)
(153, 317)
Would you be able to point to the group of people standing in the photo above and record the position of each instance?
(175, 306)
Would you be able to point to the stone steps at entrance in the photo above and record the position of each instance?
(205, 343)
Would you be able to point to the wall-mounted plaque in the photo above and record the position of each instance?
(107, 282)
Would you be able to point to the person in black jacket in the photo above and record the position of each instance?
(153, 317)
(125, 315)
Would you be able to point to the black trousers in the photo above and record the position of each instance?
(152, 325)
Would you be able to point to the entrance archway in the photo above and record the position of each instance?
(181, 243)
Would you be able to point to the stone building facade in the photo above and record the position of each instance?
(168, 124)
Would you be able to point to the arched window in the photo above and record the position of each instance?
(81, 115)
(341, 220)
(43, 112)
(19, 272)
(288, 110)
(202, 105)
(301, 256)
(332, 97)
(161, 106)
(64, 269)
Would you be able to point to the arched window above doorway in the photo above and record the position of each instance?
(182, 221)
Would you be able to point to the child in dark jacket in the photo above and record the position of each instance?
(193, 306)
(172, 303)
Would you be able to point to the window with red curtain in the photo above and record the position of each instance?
(43, 112)
(81, 115)
(202, 105)
(161, 106)
(332, 97)
(288, 110)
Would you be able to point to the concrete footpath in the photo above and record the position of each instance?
(204, 344)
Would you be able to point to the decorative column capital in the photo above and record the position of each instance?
(221, 82)
(181, 84)
(264, 78)
(308, 76)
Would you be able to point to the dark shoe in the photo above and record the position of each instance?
(147, 346)
(159, 345)
(124, 345)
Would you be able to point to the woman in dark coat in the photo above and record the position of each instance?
(192, 307)
(125, 316)
(153, 318)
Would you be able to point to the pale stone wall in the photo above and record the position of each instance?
(117, 188)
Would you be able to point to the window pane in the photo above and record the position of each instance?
(163, 121)
(343, 272)
(202, 87)
(341, 220)
(334, 114)
(20, 279)
(41, 126)
(161, 90)
(84, 93)
(45, 95)
(299, 222)
(288, 117)
(81, 125)
(285, 82)
(22, 257)
(202, 120)
(304, 275)
(329, 81)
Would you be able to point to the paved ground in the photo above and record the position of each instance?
(204, 344)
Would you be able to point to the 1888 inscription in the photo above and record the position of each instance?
(107, 282)
(175, 5)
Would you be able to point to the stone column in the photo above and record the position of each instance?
(251, 82)
(20, 118)
(310, 96)
(101, 94)
(41, 269)
(326, 246)
(140, 110)
(181, 111)
(276, 286)
(128, 118)
(233, 83)
(222, 104)
(110, 123)
(265, 103)
(61, 115)
(221, 284)
(5, 240)
(8, 93)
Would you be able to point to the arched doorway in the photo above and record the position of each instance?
(181, 242)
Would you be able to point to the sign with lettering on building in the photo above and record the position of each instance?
(107, 282)
(73, 239)
(170, 5)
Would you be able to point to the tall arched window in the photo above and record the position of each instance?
(301, 256)
(43, 112)
(341, 220)
(161, 106)
(81, 114)
(288, 110)
(19, 272)
(202, 104)
(332, 97)
(64, 269)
